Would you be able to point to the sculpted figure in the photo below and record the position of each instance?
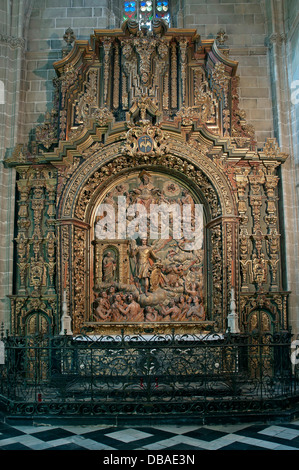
(116, 308)
(173, 312)
(193, 289)
(109, 267)
(144, 254)
(157, 278)
(103, 311)
(174, 275)
(132, 311)
(146, 190)
(150, 314)
(196, 310)
(182, 304)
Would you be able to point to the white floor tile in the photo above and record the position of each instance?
(128, 435)
(229, 427)
(81, 430)
(89, 444)
(176, 429)
(8, 441)
(281, 432)
(284, 447)
(154, 446)
(35, 428)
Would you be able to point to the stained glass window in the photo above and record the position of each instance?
(162, 11)
(144, 11)
(130, 10)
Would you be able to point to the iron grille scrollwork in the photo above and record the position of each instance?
(147, 374)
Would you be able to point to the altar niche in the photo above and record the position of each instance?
(149, 252)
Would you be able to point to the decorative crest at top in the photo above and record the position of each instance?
(145, 76)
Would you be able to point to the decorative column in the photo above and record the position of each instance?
(183, 62)
(37, 275)
(107, 46)
(273, 236)
(174, 78)
(23, 224)
(51, 235)
(259, 262)
(241, 180)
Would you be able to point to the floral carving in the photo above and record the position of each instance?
(46, 134)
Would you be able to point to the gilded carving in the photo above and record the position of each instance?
(221, 80)
(47, 133)
(165, 104)
(183, 43)
(87, 107)
(217, 273)
(68, 78)
(204, 99)
(69, 37)
(123, 163)
(79, 273)
(116, 76)
(174, 82)
(143, 277)
(146, 140)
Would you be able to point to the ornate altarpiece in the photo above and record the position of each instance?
(133, 108)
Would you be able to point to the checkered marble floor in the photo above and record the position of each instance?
(154, 438)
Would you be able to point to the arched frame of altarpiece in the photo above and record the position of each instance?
(76, 257)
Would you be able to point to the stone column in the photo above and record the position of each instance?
(13, 16)
(278, 42)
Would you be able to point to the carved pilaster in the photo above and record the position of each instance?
(271, 217)
(80, 279)
(183, 44)
(217, 275)
(107, 46)
(174, 78)
(23, 230)
(259, 262)
(116, 77)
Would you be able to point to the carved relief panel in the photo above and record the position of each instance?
(154, 262)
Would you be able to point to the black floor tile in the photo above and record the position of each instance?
(127, 445)
(51, 434)
(183, 447)
(205, 434)
(291, 426)
(10, 432)
(255, 428)
(15, 446)
(98, 436)
(158, 434)
(242, 446)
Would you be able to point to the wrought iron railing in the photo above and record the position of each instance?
(148, 374)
